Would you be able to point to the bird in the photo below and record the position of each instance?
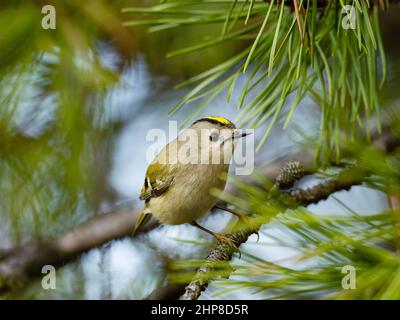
(177, 185)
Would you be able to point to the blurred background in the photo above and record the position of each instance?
(76, 104)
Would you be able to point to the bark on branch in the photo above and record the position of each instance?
(19, 263)
(223, 252)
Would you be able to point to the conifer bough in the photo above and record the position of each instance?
(285, 52)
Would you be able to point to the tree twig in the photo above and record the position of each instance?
(168, 292)
(223, 252)
(28, 260)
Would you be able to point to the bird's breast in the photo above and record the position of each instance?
(189, 198)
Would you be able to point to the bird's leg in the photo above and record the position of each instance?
(243, 217)
(218, 236)
(235, 213)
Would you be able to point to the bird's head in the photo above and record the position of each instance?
(218, 134)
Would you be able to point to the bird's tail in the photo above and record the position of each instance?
(143, 218)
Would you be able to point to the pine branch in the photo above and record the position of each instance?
(17, 264)
(293, 60)
(223, 252)
(168, 292)
(298, 197)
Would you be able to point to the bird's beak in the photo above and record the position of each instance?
(238, 135)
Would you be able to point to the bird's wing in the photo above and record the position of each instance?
(159, 178)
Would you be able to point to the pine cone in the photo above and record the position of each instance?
(289, 174)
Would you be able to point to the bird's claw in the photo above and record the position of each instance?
(225, 240)
(228, 241)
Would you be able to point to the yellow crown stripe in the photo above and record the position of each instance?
(219, 119)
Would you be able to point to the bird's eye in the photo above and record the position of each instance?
(214, 136)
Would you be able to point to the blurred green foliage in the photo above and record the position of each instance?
(55, 138)
(286, 54)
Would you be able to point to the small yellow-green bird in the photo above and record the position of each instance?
(177, 193)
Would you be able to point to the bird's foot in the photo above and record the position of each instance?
(228, 241)
(224, 239)
(221, 238)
